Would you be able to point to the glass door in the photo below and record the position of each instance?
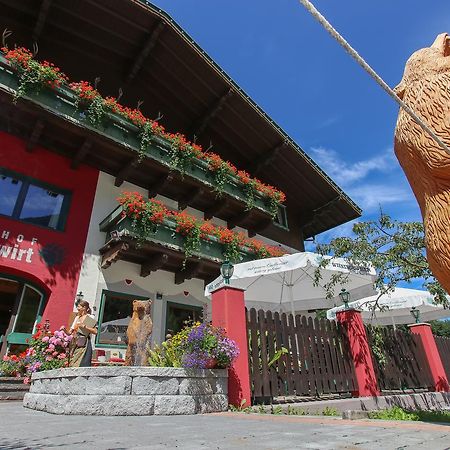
(21, 307)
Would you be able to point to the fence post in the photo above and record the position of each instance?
(432, 356)
(366, 379)
(228, 312)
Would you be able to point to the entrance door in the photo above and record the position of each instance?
(21, 307)
(9, 296)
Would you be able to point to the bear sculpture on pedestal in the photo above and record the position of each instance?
(425, 88)
(138, 333)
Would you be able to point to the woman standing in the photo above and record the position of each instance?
(82, 328)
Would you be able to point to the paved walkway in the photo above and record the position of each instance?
(21, 428)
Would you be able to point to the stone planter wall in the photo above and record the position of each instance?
(128, 391)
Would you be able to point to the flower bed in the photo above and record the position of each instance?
(99, 112)
(200, 346)
(148, 214)
(46, 351)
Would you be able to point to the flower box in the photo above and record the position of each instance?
(164, 234)
(63, 102)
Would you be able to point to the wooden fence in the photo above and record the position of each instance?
(399, 359)
(296, 356)
(443, 345)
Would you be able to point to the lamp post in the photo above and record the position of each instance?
(416, 314)
(226, 270)
(78, 298)
(344, 295)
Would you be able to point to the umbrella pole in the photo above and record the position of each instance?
(291, 300)
(393, 322)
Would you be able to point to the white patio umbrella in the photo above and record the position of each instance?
(286, 283)
(396, 307)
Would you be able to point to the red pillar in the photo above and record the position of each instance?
(366, 380)
(228, 312)
(432, 355)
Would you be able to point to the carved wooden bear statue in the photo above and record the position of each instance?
(138, 334)
(425, 87)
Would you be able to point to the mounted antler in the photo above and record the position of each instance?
(5, 35)
(120, 94)
(35, 49)
(160, 116)
(139, 104)
(96, 81)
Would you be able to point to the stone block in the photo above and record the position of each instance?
(150, 386)
(166, 405)
(91, 405)
(219, 385)
(211, 403)
(195, 386)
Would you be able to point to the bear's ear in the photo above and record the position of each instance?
(442, 43)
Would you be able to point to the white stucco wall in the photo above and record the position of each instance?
(123, 277)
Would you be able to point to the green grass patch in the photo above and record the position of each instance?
(397, 413)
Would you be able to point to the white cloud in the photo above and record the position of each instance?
(345, 174)
(371, 196)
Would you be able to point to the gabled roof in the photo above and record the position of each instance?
(135, 46)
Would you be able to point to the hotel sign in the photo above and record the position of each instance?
(16, 248)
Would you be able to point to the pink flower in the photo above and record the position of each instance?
(49, 358)
(58, 341)
(62, 356)
(26, 380)
(45, 339)
(55, 354)
(51, 347)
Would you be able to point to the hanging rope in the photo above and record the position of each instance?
(354, 54)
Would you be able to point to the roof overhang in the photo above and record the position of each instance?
(135, 46)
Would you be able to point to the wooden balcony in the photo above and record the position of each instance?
(52, 119)
(162, 249)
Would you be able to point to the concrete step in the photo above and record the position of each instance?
(6, 387)
(11, 380)
(11, 396)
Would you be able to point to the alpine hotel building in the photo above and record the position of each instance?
(68, 154)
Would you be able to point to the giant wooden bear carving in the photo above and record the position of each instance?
(425, 87)
(138, 334)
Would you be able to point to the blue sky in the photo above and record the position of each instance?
(307, 83)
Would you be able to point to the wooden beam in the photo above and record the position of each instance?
(126, 170)
(40, 21)
(112, 252)
(200, 124)
(191, 270)
(81, 154)
(159, 185)
(238, 219)
(260, 226)
(35, 135)
(308, 218)
(156, 262)
(190, 198)
(216, 208)
(266, 158)
(144, 52)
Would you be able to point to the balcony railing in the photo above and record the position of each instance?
(62, 102)
(162, 248)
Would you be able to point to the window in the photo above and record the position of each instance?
(281, 217)
(115, 314)
(32, 201)
(178, 316)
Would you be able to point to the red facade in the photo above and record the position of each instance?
(49, 259)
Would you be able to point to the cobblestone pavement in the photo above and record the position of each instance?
(21, 428)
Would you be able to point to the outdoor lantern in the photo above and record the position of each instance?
(78, 298)
(226, 271)
(415, 313)
(344, 295)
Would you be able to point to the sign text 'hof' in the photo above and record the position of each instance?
(14, 247)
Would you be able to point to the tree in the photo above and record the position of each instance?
(395, 249)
